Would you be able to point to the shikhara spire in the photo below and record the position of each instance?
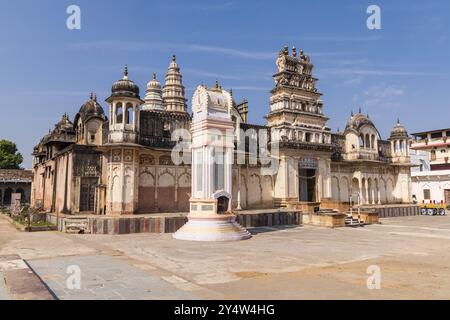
(173, 91)
(153, 98)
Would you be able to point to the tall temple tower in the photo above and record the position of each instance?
(153, 98)
(296, 110)
(173, 91)
(298, 126)
(122, 149)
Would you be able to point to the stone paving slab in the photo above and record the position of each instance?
(19, 282)
(4, 295)
(104, 278)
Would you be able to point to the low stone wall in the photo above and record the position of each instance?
(170, 223)
(400, 210)
(335, 205)
(261, 218)
(367, 217)
(330, 220)
(126, 224)
(156, 224)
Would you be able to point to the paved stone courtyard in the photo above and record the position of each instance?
(413, 254)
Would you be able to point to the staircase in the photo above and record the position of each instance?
(352, 222)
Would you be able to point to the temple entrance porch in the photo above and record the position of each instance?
(307, 185)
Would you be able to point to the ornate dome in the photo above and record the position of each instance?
(91, 108)
(154, 84)
(125, 87)
(358, 120)
(64, 124)
(399, 131)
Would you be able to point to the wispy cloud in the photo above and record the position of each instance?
(178, 47)
(381, 95)
(384, 91)
(351, 82)
(139, 46)
(377, 72)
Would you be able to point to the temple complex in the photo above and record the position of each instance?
(119, 160)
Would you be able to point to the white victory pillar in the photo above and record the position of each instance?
(210, 217)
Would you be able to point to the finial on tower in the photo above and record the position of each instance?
(91, 97)
(294, 52)
(95, 97)
(351, 113)
(174, 58)
(359, 111)
(398, 120)
(154, 75)
(125, 73)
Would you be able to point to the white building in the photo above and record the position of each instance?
(430, 152)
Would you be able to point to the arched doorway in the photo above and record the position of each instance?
(7, 197)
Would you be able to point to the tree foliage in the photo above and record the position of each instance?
(9, 157)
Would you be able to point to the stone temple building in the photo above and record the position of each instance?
(116, 159)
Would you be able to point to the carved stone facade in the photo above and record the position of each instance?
(122, 164)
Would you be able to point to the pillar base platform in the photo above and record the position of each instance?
(212, 228)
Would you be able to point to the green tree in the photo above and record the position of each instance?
(9, 157)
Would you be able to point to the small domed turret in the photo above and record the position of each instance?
(90, 108)
(399, 131)
(124, 87)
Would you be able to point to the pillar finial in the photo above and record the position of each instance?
(125, 73)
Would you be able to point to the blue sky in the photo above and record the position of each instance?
(402, 70)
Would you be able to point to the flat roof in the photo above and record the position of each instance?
(430, 131)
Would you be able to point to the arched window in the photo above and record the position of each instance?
(373, 142)
(119, 113)
(308, 137)
(433, 155)
(367, 141)
(128, 113)
(361, 141)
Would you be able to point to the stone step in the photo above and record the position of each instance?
(76, 225)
